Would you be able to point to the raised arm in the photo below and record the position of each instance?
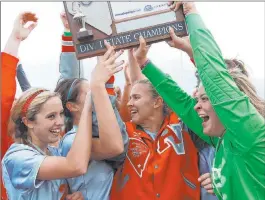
(9, 63)
(123, 109)
(8, 75)
(246, 126)
(109, 131)
(69, 67)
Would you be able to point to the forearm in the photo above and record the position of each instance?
(109, 131)
(12, 45)
(135, 71)
(79, 154)
(69, 67)
(124, 112)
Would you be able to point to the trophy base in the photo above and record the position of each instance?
(84, 35)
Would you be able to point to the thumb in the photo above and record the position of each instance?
(173, 35)
(142, 42)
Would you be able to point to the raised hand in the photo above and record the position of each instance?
(65, 21)
(140, 53)
(20, 32)
(180, 43)
(106, 65)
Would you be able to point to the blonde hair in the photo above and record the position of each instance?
(240, 75)
(20, 129)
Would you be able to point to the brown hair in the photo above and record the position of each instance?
(19, 128)
(69, 90)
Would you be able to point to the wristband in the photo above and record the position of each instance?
(146, 63)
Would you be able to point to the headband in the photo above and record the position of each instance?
(28, 102)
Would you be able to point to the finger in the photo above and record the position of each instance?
(32, 26)
(117, 64)
(173, 35)
(142, 43)
(117, 69)
(203, 177)
(208, 187)
(112, 58)
(206, 182)
(210, 191)
(109, 50)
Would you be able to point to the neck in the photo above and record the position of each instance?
(41, 145)
(153, 123)
(76, 119)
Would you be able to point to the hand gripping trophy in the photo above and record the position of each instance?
(83, 33)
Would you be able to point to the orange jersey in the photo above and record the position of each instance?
(8, 91)
(165, 168)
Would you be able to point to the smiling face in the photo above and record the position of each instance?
(141, 105)
(212, 126)
(48, 122)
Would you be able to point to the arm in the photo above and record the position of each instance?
(124, 112)
(69, 67)
(9, 64)
(109, 131)
(22, 78)
(230, 104)
(77, 159)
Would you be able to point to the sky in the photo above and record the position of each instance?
(238, 28)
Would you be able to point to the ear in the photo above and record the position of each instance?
(72, 106)
(158, 102)
(28, 123)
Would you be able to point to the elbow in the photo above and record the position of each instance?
(120, 150)
(81, 170)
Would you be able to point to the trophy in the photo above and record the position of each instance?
(83, 33)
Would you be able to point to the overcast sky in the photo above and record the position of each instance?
(238, 28)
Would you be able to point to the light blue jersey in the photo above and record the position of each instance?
(20, 167)
(96, 183)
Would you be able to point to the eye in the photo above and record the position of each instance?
(62, 113)
(204, 98)
(52, 116)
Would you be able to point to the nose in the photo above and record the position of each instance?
(130, 103)
(60, 121)
(198, 106)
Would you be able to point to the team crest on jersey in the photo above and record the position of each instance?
(138, 154)
(169, 140)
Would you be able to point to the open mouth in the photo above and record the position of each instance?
(205, 118)
(55, 132)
